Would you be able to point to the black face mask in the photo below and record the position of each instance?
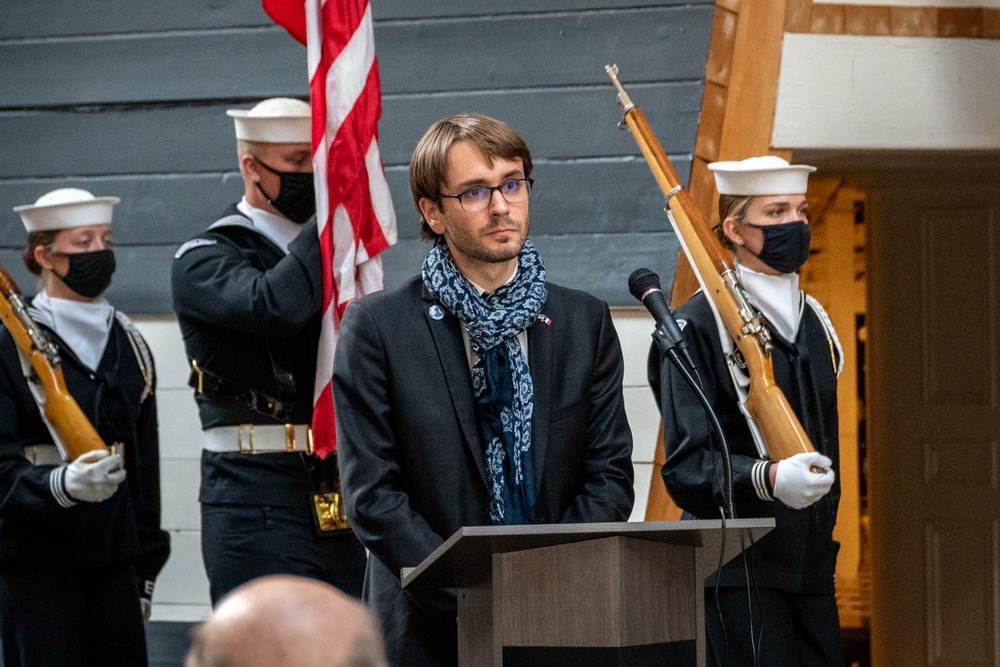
(296, 198)
(89, 272)
(786, 246)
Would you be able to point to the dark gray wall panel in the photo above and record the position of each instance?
(237, 63)
(262, 62)
(591, 197)
(141, 284)
(580, 197)
(11, 261)
(569, 123)
(23, 18)
(31, 18)
(562, 123)
(136, 141)
(130, 100)
(599, 264)
(153, 209)
(544, 49)
(407, 9)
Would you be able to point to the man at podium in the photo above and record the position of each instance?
(476, 393)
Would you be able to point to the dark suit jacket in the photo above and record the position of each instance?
(411, 458)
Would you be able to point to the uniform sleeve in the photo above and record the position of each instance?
(215, 282)
(607, 490)
(376, 504)
(25, 488)
(694, 470)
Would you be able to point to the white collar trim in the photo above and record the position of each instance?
(85, 326)
(279, 230)
(778, 298)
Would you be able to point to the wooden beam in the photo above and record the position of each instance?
(747, 106)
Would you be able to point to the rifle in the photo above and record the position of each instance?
(776, 429)
(73, 432)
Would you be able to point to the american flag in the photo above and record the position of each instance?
(354, 210)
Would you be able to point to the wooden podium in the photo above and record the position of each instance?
(583, 594)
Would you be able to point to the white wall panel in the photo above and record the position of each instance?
(181, 592)
(644, 418)
(180, 428)
(179, 482)
(643, 476)
(862, 92)
(635, 328)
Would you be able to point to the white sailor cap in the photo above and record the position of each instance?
(65, 208)
(765, 175)
(278, 120)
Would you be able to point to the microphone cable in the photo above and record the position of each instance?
(727, 464)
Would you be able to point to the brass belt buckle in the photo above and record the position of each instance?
(330, 515)
(239, 439)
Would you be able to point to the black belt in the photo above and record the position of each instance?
(206, 382)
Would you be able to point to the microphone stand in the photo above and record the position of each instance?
(668, 345)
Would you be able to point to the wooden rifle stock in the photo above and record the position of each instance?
(61, 410)
(782, 433)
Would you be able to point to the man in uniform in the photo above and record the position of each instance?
(248, 294)
(475, 393)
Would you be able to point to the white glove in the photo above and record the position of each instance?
(796, 485)
(94, 477)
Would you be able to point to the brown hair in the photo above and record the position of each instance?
(35, 239)
(731, 206)
(429, 164)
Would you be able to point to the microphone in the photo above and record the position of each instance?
(644, 285)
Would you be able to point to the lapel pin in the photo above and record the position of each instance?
(436, 312)
(544, 318)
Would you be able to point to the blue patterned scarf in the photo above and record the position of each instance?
(501, 380)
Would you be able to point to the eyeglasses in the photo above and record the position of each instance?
(477, 198)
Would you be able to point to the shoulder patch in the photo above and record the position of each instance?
(681, 324)
(193, 243)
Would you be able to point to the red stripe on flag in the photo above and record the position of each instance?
(324, 424)
(340, 20)
(326, 253)
(342, 29)
(341, 25)
(289, 15)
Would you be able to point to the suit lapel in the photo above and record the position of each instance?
(540, 353)
(447, 334)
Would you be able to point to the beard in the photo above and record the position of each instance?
(480, 245)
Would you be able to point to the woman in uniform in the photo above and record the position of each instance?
(80, 541)
(777, 606)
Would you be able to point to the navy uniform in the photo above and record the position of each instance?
(791, 569)
(73, 573)
(248, 293)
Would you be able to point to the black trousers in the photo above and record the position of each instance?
(243, 542)
(783, 629)
(82, 616)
